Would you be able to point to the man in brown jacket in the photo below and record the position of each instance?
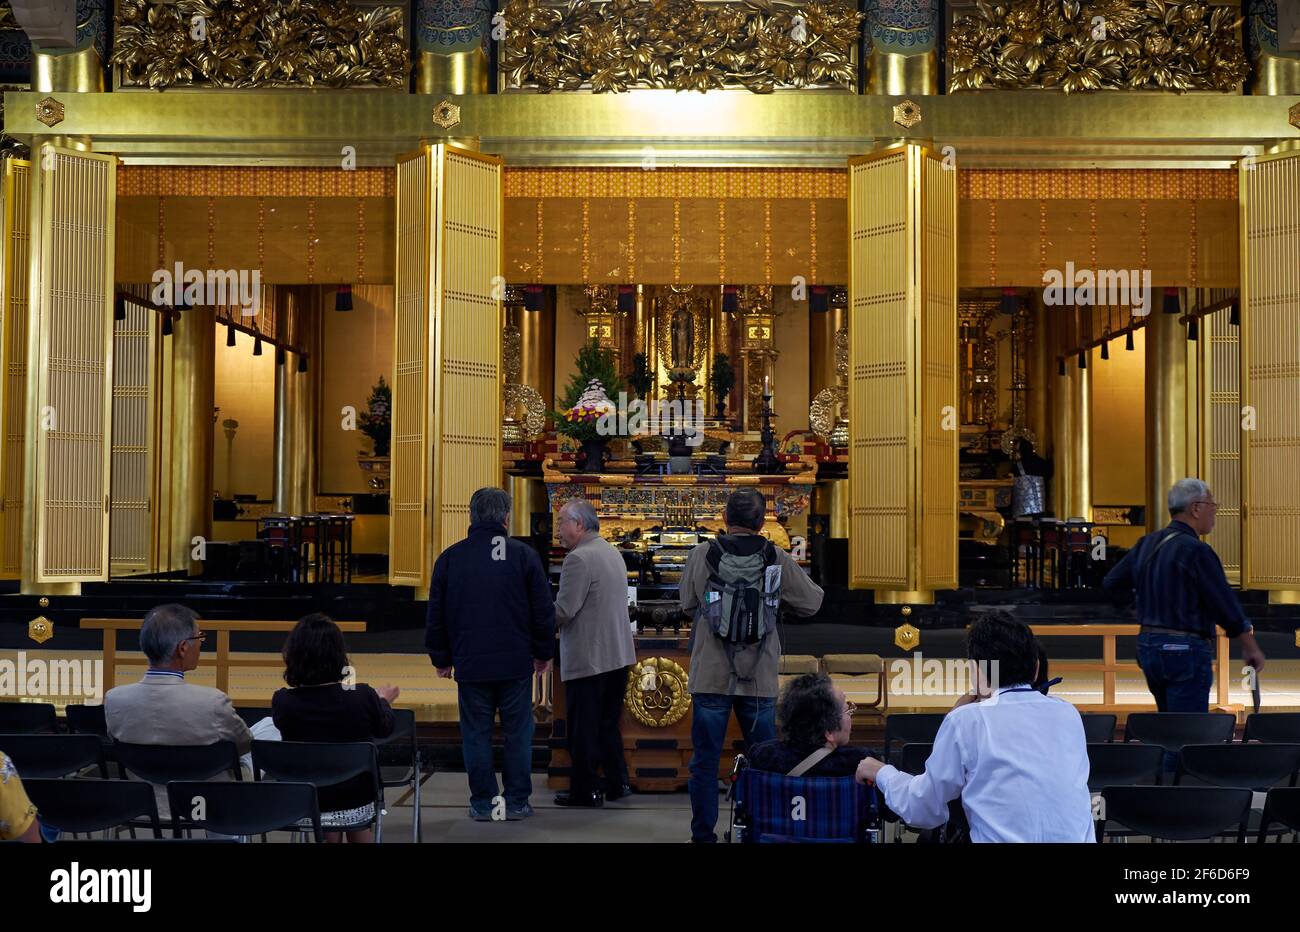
(596, 648)
(727, 676)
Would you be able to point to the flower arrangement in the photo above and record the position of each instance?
(586, 398)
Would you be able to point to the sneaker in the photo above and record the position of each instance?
(516, 813)
(478, 815)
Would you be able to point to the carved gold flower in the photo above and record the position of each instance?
(49, 111)
(1295, 116)
(446, 114)
(907, 114)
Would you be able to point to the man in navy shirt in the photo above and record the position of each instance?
(1182, 594)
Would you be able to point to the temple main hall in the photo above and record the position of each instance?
(963, 289)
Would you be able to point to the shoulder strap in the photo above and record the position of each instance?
(809, 762)
(1146, 564)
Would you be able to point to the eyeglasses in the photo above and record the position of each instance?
(849, 708)
(202, 635)
(1203, 502)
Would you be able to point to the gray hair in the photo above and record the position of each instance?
(163, 630)
(584, 512)
(1184, 492)
(489, 506)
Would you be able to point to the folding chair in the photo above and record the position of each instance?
(54, 756)
(1175, 813)
(772, 808)
(1282, 805)
(323, 763)
(1098, 727)
(909, 728)
(243, 809)
(86, 806)
(28, 718)
(400, 765)
(1279, 727)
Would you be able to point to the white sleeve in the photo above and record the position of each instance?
(922, 801)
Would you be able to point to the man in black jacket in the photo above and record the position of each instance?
(492, 621)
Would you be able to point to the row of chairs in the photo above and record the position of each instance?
(88, 747)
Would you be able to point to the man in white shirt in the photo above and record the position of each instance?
(1017, 758)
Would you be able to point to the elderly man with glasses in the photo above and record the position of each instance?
(1182, 593)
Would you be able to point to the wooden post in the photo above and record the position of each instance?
(1108, 658)
(1222, 668)
(110, 658)
(223, 660)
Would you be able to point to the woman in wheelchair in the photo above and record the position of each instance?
(814, 720)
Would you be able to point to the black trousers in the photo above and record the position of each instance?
(593, 705)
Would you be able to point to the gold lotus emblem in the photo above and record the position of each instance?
(1294, 114)
(907, 114)
(906, 637)
(657, 694)
(446, 114)
(40, 629)
(49, 111)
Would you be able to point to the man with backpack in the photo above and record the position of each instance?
(732, 587)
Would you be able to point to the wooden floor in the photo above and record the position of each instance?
(434, 699)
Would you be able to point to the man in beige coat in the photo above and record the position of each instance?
(596, 649)
(165, 709)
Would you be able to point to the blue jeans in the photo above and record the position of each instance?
(710, 714)
(1179, 672)
(479, 703)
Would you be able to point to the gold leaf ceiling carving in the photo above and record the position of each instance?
(680, 44)
(1088, 46)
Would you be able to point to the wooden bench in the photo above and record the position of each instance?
(223, 660)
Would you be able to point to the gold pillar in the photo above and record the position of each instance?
(527, 495)
(895, 74)
(822, 328)
(452, 73)
(831, 497)
(1166, 406)
(192, 389)
(295, 415)
(537, 341)
(1040, 373)
(1071, 409)
(75, 72)
(1276, 76)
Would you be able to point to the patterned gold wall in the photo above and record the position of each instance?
(15, 240)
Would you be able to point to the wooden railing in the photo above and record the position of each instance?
(1110, 665)
(223, 660)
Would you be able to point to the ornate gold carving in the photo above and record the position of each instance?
(512, 352)
(1294, 115)
(657, 693)
(1087, 46)
(40, 629)
(683, 298)
(842, 354)
(824, 412)
(907, 636)
(524, 404)
(261, 43)
(49, 111)
(907, 114)
(446, 114)
(680, 44)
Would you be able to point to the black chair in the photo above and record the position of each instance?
(400, 764)
(1122, 764)
(909, 728)
(913, 757)
(252, 714)
(86, 720)
(1098, 727)
(28, 718)
(85, 806)
(1175, 813)
(1172, 730)
(1257, 766)
(1282, 805)
(54, 756)
(1279, 727)
(243, 809)
(163, 763)
(323, 763)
